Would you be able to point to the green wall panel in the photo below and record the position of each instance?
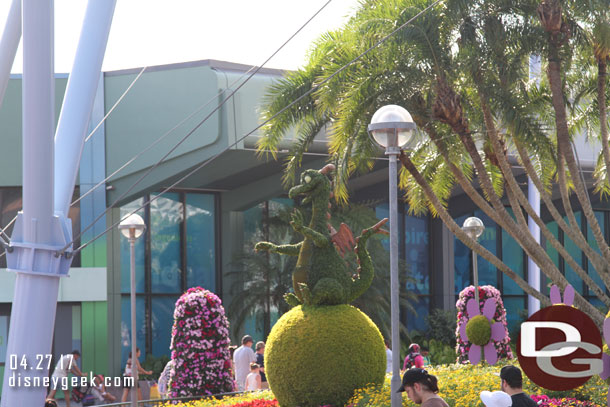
(95, 337)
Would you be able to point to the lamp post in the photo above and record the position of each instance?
(392, 128)
(132, 228)
(474, 228)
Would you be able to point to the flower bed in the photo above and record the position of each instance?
(460, 385)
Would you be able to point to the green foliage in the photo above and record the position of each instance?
(320, 355)
(441, 326)
(478, 330)
(155, 364)
(440, 353)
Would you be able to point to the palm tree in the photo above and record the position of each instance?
(461, 70)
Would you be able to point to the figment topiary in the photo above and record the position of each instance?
(318, 355)
(200, 346)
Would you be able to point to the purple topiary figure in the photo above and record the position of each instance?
(200, 346)
(489, 330)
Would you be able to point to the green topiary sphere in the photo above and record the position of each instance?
(318, 355)
(478, 330)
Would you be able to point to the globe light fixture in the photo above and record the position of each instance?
(474, 228)
(132, 226)
(392, 128)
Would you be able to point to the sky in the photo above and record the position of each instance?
(157, 32)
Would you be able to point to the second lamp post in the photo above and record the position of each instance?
(392, 128)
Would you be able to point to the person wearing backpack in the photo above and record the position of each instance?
(413, 358)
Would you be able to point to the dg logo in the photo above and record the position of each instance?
(560, 347)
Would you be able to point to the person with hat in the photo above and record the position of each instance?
(242, 357)
(496, 399)
(422, 388)
(512, 383)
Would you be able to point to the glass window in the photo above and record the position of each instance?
(3, 337)
(553, 254)
(512, 255)
(165, 262)
(200, 247)
(140, 246)
(462, 260)
(416, 253)
(487, 272)
(181, 236)
(593, 243)
(515, 307)
(418, 321)
(576, 254)
(126, 327)
(162, 320)
(383, 211)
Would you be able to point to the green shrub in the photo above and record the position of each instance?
(155, 364)
(320, 355)
(441, 326)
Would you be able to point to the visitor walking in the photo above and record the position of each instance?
(421, 387)
(129, 373)
(243, 356)
(413, 358)
(512, 383)
(163, 381)
(388, 357)
(65, 365)
(253, 380)
(260, 360)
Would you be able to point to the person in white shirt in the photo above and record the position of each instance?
(65, 365)
(388, 357)
(243, 356)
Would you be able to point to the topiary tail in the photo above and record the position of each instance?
(366, 270)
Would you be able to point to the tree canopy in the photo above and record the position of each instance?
(462, 69)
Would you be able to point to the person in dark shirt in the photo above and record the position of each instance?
(260, 360)
(512, 383)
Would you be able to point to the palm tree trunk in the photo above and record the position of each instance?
(518, 199)
(575, 234)
(565, 147)
(448, 109)
(603, 113)
(595, 314)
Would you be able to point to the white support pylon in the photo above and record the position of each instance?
(9, 44)
(78, 102)
(35, 300)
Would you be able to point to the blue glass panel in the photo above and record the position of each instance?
(514, 314)
(139, 249)
(126, 328)
(162, 320)
(418, 322)
(553, 254)
(201, 243)
(593, 243)
(488, 274)
(383, 211)
(253, 225)
(597, 303)
(462, 260)
(417, 256)
(512, 256)
(576, 254)
(166, 267)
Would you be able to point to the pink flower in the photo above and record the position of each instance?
(497, 331)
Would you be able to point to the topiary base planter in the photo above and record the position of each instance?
(318, 355)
